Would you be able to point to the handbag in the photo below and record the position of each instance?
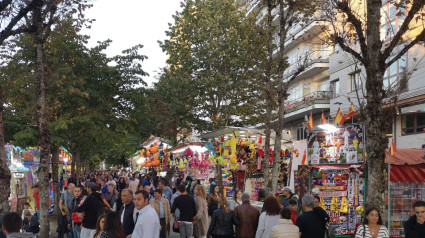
(175, 224)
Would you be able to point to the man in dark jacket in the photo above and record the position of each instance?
(415, 226)
(248, 217)
(287, 195)
(76, 229)
(126, 211)
(92, 208)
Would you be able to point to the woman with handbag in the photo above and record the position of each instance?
(202, 211)
(222, 221)
(372, 226)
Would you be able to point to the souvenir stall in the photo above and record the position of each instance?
(406, 186)
(23, 166)
(239, 152)
(336, 171)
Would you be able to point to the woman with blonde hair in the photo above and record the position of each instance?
(202, 208)
(222, 221)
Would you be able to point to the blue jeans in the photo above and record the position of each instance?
(76, 230)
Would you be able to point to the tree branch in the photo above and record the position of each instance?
(4, 34)
(4, 4)
(419, 38)
(340, 41)
(343, 6)
(415, 8)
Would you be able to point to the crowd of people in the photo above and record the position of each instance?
(121, 205)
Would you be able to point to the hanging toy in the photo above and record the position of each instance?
(322, 204)
(233, 143)
(344, 206)
(334, 204)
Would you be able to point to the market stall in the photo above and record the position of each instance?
(406, 186)
(240, 152)
(336, 169)
(23, 165)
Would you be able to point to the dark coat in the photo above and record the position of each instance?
(62, 225)
(412, 229)
(93, 208)
(248, 217)
(222, 223)
(128, 222)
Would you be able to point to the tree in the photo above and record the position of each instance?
(213, 59)
(12, 13)
(355, 31)
(290, 12)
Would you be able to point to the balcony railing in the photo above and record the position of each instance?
(307, 100)
(315, 56)
(252, 4)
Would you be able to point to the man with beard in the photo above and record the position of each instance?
(92, 208)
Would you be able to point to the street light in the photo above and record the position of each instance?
(328, 128)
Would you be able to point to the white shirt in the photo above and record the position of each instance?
(147, 225)
(265, 225)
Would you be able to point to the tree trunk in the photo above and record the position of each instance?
(269, 96)
(220, 178)
(55, 177)
(375, 129)
(376, 142)
(170, 173)
(282, 88)
(5, 175)
(43, 171)
(78, 165)
(73, 159)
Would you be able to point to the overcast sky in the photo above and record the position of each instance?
(131, 22)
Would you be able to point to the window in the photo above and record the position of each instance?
(413, 123)
(306, 89)
(301, 133)
(325, 86)
(395, 72)
(294, 93)
(392, 18)
(355, 81)
(334, 88)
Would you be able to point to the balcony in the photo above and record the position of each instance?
(252, 5)
(315, 102)
(316, 62)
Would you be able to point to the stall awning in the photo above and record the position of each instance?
(408, 173)
(406, 156)
(407, 165)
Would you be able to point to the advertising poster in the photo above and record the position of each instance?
(296, 161)
(342, 146)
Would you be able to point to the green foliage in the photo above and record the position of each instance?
(213, 78)
(90, 96)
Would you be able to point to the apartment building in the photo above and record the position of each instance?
(310, 91)
(347, 82)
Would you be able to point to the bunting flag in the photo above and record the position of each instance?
(324, 121)
(393, 148)
(310, 122)
(304, 161)
(339, 118)
(350, 112)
